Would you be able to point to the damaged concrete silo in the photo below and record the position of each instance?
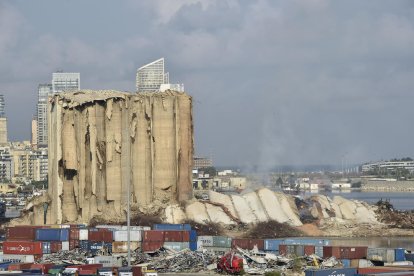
(102, 141)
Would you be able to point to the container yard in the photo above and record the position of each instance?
(175, 248)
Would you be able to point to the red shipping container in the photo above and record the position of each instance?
(137, 271)
(353, 252)
(98, 235)
(87, 267)
(74, 234)
(43, 267)
(73, 244)
(309, 249)
(55, 247)
(283, 249)
(248, 243)
(22, 248)
(242, 243)
(151, 246)
(153, 236)
(19, 266)
(24, 233)
(332, 251)
(176, 236)
(86, 272)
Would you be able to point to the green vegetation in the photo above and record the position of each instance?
(273, 273)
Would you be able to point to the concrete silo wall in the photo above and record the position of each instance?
(102, 141)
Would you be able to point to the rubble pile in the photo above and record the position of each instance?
(394, 218)
(76, 256)
(183, 261)
(272, 229)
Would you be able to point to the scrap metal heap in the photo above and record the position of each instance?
(102, 141)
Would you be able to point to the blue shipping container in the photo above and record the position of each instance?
(409, 257)
(272, 245)
(193, 236)
(4, 265)
(52, 234)
(399, 254)
(193, 245)
(93, 247)
(84, 245)
(173, 227)
(346, 262)
(331, 272)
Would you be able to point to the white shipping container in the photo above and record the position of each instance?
(125, 273)
(204, 241)
(65, 246)
(144, 228)
(108, 261)
(105, 273)
(83, 234)
(177, 246)
(18, 258)
(122, 235)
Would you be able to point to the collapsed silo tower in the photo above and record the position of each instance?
(102, 141)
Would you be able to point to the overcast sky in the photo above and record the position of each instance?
(273, 82)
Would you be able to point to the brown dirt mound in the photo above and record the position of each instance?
(310, 230)
(140, 219)
(272, 229)
(209, 229)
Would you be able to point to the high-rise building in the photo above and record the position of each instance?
(44, 90)
(151, 76)
(33, 139)
(3, 122)
(65, 81)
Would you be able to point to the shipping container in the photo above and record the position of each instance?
(19, 266)
(177, 246)
(248, 243)
(65, 245)
(221, 241)
(93, 267)
(346, 262)
(83, 234)
(272, 245)
(84, 245)
(93, 247)
(105, 271)
(100, 235)
(122, 235)
(73, 244)
(52, 234)
(193, 236)
(331, 272)
(205, 241)
(174, 227)
(353, 252)
(217, 250)
(23, 247)
(309, 250)
(125, 271)
(44, 268)
(409, 257)
(122, 247)
(383, 269)
(193, 245)
(399, 255)
(15, 258)
(306, 242)
(381, 254)
(361, 263)
(153, 236)
(24, 233)
(151, 246)
(108, 261)
(319, 251)
(331, 251)
(74, 234)
(55, 246)
(46, 248)
(292, 249)
(123, 227)
(176, 236)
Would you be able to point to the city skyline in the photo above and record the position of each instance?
(273, 83)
